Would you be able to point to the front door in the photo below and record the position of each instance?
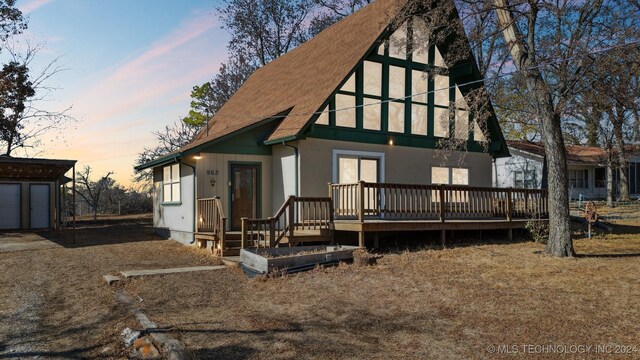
(244, 193)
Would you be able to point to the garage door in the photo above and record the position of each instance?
(9, 206)
(39, 200)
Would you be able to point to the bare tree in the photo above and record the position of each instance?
(91, 191)
(25, 121)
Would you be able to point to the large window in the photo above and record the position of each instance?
(578, 179)
(525, 179)
(171, 183)
(352, 168)
(449, 176)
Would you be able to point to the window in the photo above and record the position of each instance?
(372, 78)
(372, 111)
(601, 177)
(396, 83)
(398, 43)
(419, 119)
(462, 124)
(419, 86)
(396, 117)
(525, 179)
(323, 118)
(352, 169)
(478, 135)
(440, 175)
(345, 110)
(171, 183)
(420, 42)
(578, 179)
(350, 85)
(441, 122)
(449, 176)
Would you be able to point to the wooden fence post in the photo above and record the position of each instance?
(243, 237)
(442, 202)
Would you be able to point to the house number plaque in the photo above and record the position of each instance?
(213, 174)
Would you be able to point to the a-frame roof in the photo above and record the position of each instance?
(298, 83)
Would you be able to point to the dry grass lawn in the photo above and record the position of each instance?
(54, 302)
(452, 303)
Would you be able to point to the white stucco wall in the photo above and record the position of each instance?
(175, 220)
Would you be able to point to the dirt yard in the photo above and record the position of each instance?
(465, 302)
(54, 302)
(469, 301)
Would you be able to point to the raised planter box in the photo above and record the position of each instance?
(293, 259)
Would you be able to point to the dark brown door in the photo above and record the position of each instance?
(244, 193)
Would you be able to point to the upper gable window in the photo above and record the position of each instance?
(372, 78)
(398, 43)
(345, 110)
(350, 85)
(323, 118)
(372, 112)
(397, 82)
(420, 41)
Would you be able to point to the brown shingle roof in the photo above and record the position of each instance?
(303, 79)
(575, 153)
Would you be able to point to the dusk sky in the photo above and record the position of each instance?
(131, 66)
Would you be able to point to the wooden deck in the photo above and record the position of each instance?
(372, 208)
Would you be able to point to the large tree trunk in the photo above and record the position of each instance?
(618, 118)
(610, 194)
(559, 242)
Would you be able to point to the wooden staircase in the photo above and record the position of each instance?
(300, 221)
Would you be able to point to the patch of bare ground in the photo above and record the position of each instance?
(54, 302)
(452, 303)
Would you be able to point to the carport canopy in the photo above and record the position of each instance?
(34, 169)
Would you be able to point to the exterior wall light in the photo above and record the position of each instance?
(197, 156)
(391, 142)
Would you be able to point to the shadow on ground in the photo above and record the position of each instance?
(102, 234)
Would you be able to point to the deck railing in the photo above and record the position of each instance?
(296, 214)
(438, 202)
(211, 218)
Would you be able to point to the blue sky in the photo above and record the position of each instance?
(131, 66)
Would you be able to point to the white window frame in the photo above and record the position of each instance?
(171, 182)
(365, 154)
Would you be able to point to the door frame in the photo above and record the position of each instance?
(48, 207)
(258, 166)
(20, 204)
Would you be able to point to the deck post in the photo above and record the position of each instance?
(442, 203)
(361, 239)
(361, 201)
(223, 235)
(509, 204)
(376, 240)
(443, 238)
(243, 237)
(292, 215)
(272, 232)
(510, 234)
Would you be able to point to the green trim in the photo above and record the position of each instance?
(258, 164)
(281, 140)
(176, 203)
(161, 161)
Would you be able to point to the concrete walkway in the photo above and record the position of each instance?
(137, 273)
(10, 242)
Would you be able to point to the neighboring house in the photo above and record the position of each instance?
(587, 168)
(30, 192)
(352, 104)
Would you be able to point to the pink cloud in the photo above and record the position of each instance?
(33, 5)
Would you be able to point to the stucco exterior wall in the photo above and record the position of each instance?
(407, 165)
(284, 175)
(175, 221)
